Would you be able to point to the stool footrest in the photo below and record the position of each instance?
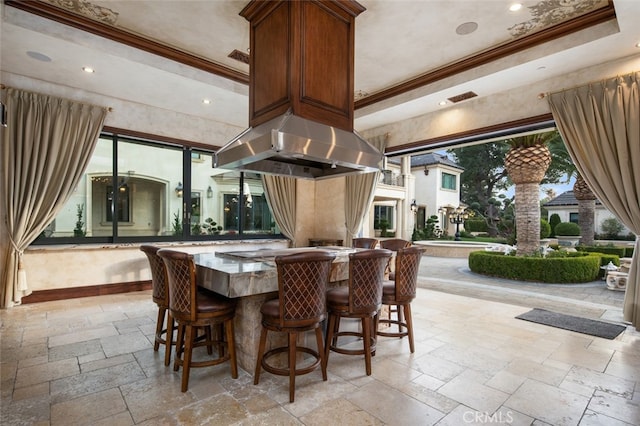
(344, 351)
(402, 324)
(285, 371)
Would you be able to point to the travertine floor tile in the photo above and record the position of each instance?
(615, 407)
(548, 403)
(84, 410)
(92, 360)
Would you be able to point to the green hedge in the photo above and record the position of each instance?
(475, 225)
(618, 251)
(576, 268)
(607, 254)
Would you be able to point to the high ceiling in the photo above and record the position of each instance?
(410, 55)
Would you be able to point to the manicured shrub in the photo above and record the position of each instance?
(475, 225)
(628, 251)
(545, 229)
(577, 267)
(611, 227)
(554, 219)
(567, 229)
(618, 251)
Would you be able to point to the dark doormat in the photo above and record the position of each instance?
(569, 322)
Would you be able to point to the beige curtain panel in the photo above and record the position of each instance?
(600, 124)
(359, 192)
(280, 192)
(46, 147)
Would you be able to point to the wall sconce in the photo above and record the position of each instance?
(179, 190)
(426, 171)
(209, 192)
(414, 206)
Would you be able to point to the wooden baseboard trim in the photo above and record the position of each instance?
(87, 291)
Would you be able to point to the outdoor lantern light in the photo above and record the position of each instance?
(209, 192)
(179, 190)
(414, 209)
(458, 216)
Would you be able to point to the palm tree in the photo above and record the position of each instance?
(586, 209)
(585, 197)
(526, 162)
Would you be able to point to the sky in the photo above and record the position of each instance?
(558, 188)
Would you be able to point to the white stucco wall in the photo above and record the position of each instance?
(601, 214)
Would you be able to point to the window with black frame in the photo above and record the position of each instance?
(141, 190)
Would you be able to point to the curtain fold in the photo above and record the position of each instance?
(46, 147)
(359, 193)
(280, 192)
(600, 124)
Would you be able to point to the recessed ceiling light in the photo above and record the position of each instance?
(515, 7)
(442, 103)
(206, 101)
(466, 28)
(38, 56)
(542, 67)
(88, 70)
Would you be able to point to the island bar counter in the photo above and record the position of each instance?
(251, 277)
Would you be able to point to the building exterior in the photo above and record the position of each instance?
(430, 182)
(565, 205)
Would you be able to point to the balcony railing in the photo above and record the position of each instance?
(387, 177)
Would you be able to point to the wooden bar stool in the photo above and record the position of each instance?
(394, 245)
(401, 292)
(366, 243)
(193, 310)
(361, 299)
(300, 307)
(160, 295)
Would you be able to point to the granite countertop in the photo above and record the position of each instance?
(246, 273)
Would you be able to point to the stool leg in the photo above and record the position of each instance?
(409, 321)
(366, 331)
(159, 324)
(179, 347)
(328, 341)
(209, 337)
(231, 343)
(220, 327)
(168, 339)
(293, 337)
(323, 365)
(186, 364)
(263, 343)
(399, 311)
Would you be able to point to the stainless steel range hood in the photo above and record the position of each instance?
(301, 87)
(294, 146)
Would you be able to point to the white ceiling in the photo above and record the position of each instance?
(396, 40)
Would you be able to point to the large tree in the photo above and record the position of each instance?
(527, 162)
(484, 174)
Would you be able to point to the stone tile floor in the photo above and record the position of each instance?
(90, 361)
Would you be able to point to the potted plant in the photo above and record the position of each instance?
(211, 227)
(384, 227)
(567, 233)
(79, 230)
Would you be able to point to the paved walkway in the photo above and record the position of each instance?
(452, 275)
